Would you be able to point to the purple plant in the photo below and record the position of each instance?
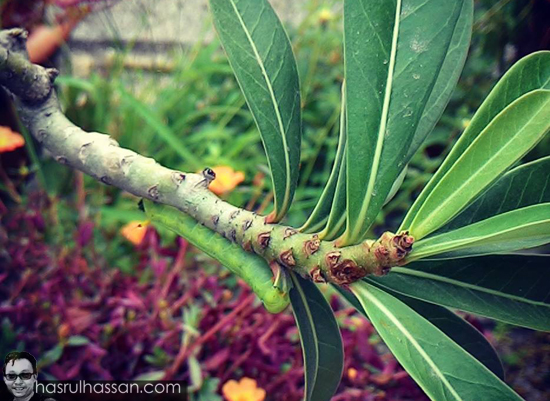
(86, 319)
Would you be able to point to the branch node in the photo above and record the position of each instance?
(17, 39)
(52, 74)
(311, 246)
(332, 258)
(317, 275)
(178, 177)
(247, 224)
(209, 174)
(41, 135)
(153, 192)
(215, 219)
(62, 160)
(346, 272)
(263, 239)
(287, 258)
(289, 232)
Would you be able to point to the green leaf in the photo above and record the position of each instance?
(527, 75)
(456, 328)
(332, 202)
(393, 56)
(320, 338)
(443, 369)
(151, 376)
(251, 268)
(523, 186)
(76, 341)
(337, 217)
(260, 54)
(509, 136)
(396, 185)
(523, 228)
(51, 356)
(512, 289)
(447, 78)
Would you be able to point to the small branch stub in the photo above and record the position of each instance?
(311, 246)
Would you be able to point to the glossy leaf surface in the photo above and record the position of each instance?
(512, 289)
(447, 77)
(526, 185)
(523, 228)
(251, 268)
(443, 369)
(260, 54)
(456, 328)
(529, 74)
(505, 140)
(393, 57)
(320, 338)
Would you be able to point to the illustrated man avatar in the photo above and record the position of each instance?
(20, 376)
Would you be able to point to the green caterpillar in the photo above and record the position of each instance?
(251, 268)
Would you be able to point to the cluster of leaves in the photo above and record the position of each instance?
(199, 122)
(399, 75)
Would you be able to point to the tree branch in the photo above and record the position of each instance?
(100, 156)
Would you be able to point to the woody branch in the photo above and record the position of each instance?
(100, 156)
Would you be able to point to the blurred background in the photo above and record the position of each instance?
(95, 292)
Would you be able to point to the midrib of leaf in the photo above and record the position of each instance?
(412, 340)
(459, 244)
(473, 176)
(313, 331)
(382, 129)
(273, 100)
(435, 277)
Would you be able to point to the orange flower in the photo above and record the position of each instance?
(134, 231)
(245, 390)
(10, 140)
(63, 331)
(352, 373)
(226, 179)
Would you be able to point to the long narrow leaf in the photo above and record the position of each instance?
(512, 289)
(505, 140)
(328, 203)
(337, 217)
(529, 74)
(320, 338)
(523, 228)
(450, 375)
(393, 57)
(251, 268)
(523, 186)
(447, 78)
(260, 54)
(456, 328)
